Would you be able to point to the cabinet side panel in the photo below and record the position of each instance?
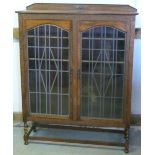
(130, 64)
(23, 68)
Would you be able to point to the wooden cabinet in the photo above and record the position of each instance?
(76, 68)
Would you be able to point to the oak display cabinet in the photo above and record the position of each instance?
(76, 68)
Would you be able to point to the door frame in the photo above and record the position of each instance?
(74, 118)
(26, 24)
(84, 25)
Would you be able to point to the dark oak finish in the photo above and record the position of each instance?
(76, 127)
(16, 33)
(77, 18)
(77, 141)
(80, 9)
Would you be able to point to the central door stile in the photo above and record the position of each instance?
(78, 71)
(71, 72)
(75, 88)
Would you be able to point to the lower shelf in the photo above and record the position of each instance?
(36, 127)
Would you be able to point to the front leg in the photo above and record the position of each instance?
(25, 133)
(126, 136)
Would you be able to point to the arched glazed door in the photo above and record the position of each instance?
(48, 52)
(102, 72)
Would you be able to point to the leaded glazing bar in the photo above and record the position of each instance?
(48, 68)
(102, 72)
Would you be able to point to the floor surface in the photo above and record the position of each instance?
(57, 148)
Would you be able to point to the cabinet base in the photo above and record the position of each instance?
(36, 126)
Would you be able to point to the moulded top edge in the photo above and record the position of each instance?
(75, 12)
(80, 9)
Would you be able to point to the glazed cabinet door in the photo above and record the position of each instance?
(48, 56)
(102, 70)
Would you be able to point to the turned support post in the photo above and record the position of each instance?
(25, 133)
(126, 136)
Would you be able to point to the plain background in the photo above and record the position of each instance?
(7, 9)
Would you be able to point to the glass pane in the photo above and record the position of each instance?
(97, 44)
(110, 32)
(95, 107)
(53, 31)
(65, 104)
(65, 54)
(32, 78)
(31, 53)
(48, 68)
(84, 106)
(121, 35)
(85, 55)
(42, 42)
(65, 83)
(120, 69)
(109, 55)
(54, 106)
(33, 102)
(41, 30)
(65, 42)
(40, 53)
(32, 64)
(109, 68)
(53, 82)
(120, 56)
(102, 72)
(109, 44)
(107, 107)
(43, 103)
(85, 84)
(65, 65)
(54, 53)
(85, 67)
(65, 34)
(53, 65)
(31, 32)
(31, 41)
(97, 67)
(97, 32)
(85, 43)
(118, 108)
(108, 92)
(97, 55)
(54, 42)
(121, 44)
(119, 86)
(85, 34)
